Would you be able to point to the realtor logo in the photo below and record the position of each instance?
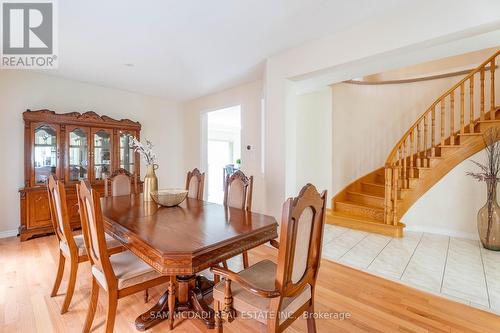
(28, 31)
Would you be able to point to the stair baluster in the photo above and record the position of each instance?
(452, 118)
(433, 130)
(426, 134)
(471, 106)
(492, 93)
(443, 122)
(462, 112)
(404, 174)
(419, 148)
(411, 154)
(482, 93)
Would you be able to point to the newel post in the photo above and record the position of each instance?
(388, 194)
(395, 192)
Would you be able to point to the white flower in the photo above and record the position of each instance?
(146, 151)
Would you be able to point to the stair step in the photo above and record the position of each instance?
(489, 121)
(373, 188)
(380, 179)
(434, 160)
(366, 198)
(450, 146)
(364, 223)
(358, 209)
(471, 134)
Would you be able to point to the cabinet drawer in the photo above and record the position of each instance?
(38, 210)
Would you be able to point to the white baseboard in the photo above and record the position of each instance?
(8, 233)
(440, 231)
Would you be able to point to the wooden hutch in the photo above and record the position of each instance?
(71, 146)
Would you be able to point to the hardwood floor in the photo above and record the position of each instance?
(27, 271)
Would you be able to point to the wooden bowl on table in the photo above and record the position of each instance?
(169, 197)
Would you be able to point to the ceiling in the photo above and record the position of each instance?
(185, 49)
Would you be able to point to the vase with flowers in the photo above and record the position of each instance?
(147, 154)
(488, 217)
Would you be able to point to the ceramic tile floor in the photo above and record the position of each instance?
(455, 268)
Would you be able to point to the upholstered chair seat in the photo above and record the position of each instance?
(263, 276)
(80, 244)
(129, 270)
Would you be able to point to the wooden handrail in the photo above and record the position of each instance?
(443, 96)
(406, 156)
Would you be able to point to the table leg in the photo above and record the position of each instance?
(171, 300)
(153, 316)
(185, 295)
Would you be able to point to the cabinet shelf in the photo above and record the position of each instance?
(45, 145)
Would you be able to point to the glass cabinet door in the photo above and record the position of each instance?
(127, 155)
(102, 148)
(78, 154)
(45, 153)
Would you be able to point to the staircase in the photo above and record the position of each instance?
(448, 132)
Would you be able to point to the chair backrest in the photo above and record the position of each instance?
(238, 191)
(59, 211)
(93, 232)
(195, 183)
(301, 236)
(120, 183)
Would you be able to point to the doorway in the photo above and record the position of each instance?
(223, 148)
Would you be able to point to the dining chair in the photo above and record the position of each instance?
(120, 275)
(195, 184)
(121, 182)
(71, 246)
(277, 294)
(238, 194)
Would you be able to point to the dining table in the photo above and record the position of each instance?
(182, 241)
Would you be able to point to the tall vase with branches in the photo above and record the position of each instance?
(146, 152)
(488, 218)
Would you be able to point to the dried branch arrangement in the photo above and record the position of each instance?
(146, 151)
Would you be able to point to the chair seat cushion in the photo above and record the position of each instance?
(129, 270)
(262, 275)
(80, 244)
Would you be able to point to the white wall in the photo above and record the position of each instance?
(21, 90)
(249, 96)
(312, 140)
(450, 207)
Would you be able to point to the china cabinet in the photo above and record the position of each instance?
(70, 146)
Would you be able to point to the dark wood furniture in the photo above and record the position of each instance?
(182, 241)
(238, 190)
(70, 146)
(71, 246)
(120, 275)
(277, 294)
(195, 184)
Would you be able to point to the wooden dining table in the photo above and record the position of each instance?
(182, 241)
